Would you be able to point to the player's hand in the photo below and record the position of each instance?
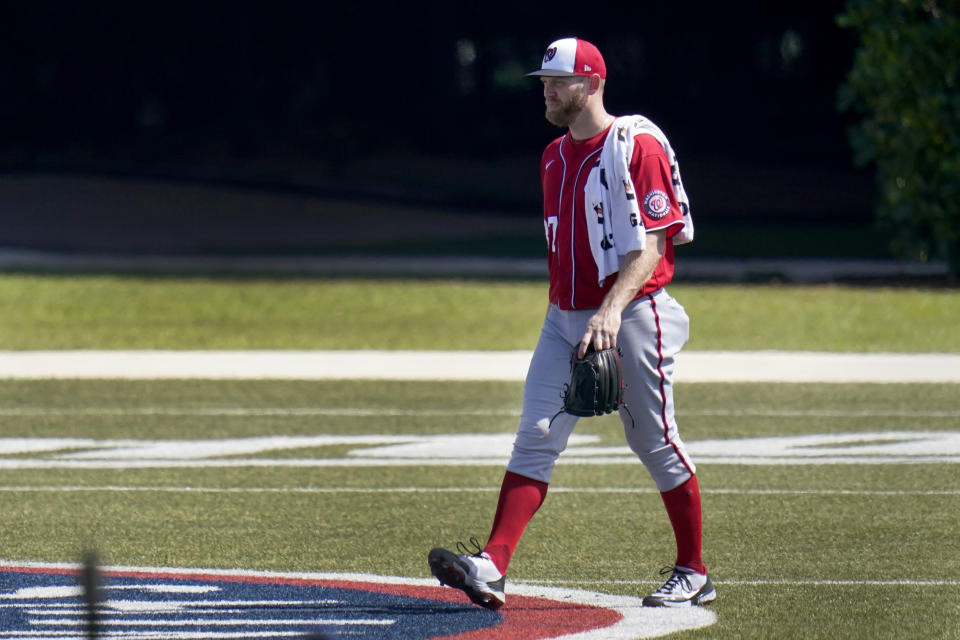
(602, 330)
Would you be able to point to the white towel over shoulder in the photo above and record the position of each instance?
(610, 200)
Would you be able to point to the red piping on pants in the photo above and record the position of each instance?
(663, 390)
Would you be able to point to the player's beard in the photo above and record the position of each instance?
(565, 113)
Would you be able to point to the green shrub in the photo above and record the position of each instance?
(904, 87)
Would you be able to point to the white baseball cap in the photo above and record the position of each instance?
(571, 57)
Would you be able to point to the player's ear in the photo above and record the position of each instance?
(596, 83)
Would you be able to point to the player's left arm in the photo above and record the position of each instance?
(637, 267)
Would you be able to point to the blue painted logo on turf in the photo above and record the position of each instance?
(50, 604)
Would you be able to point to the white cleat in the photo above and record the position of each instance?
(685, 588)
(475, 575)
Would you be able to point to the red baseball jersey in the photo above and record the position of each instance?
(564, 169)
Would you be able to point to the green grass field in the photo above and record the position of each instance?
(62, 312)
(797, 551)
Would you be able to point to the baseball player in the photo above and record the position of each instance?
(613, 208)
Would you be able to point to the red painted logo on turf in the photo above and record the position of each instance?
(50, 600)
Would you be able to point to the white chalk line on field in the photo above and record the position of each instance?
(765, 583)
(692, 366)
(425, 413)
(255, 411)
(490, 489)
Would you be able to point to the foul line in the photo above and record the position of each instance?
(491, 489)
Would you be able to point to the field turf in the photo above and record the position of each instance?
(121, 312)
(796, 551)
(854, 551)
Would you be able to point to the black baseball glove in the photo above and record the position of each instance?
(596, 383)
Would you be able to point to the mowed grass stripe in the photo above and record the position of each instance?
(131, 312)
(491, 489)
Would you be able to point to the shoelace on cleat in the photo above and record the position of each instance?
(675, 580)
(462, 548)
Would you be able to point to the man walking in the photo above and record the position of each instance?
(613, 209)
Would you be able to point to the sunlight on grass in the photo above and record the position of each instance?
(108, 312)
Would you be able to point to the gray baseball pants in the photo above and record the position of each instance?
(653, 330)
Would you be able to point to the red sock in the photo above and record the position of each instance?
(520, 497)
(683, 507)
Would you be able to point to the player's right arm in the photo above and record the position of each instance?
(637, 267)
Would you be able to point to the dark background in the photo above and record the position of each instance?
(425, 103)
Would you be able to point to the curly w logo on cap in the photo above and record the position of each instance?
(571, 57)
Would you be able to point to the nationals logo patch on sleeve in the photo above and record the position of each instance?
(657, 204)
